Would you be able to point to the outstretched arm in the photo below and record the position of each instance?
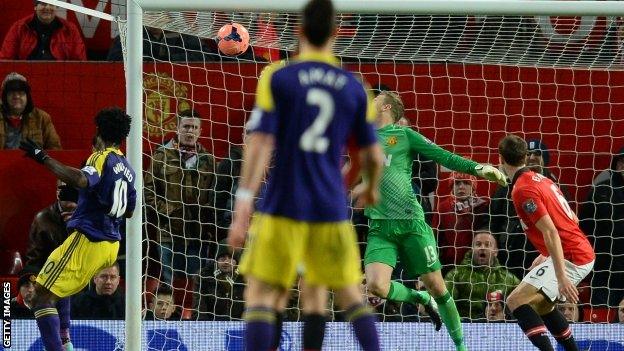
(70, 175)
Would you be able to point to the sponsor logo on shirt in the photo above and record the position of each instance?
(529, 206)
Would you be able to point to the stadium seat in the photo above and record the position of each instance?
(599, 315)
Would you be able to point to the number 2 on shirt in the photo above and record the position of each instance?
(313, 139)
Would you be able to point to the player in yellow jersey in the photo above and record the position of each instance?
(305, 112)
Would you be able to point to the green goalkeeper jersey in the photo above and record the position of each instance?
(400, 146)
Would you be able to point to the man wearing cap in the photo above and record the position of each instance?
(220, 295)
(458, 215)
(603, 217)
(479, 273)
(495, 307)
(43, 36)
(20, 119)
(20, 305)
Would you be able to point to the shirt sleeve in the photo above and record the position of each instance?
(94, 168)
(263, 117)
(363, 128)
(529, 202)
(421, 145)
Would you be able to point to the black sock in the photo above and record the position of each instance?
(533, 327)
(279, 324)
(313, 331)
(560, 329)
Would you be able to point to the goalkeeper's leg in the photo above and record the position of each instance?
(446, 306)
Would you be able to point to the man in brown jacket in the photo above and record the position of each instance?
(20, 119)
(177, 185)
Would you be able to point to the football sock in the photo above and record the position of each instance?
(260, 328)
(364, 326)
(279, 325)
(401, 293)
(49, 325)
(63, 307)
(560, 329)
(450, 317)
(533, 327)
(313, 331)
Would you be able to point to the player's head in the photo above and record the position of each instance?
(107, 280)
(389, 105)
(484, 248)
(513, 151)
(318, 25)
(113, 125)
(189, 127)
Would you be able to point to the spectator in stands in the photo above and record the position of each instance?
(517, 252)
(495, 306)
(43, 36)
(177, 184)
(20, 305)
(224, 188)
(48, 229)
(220, 295)
(101, 300)
(570, 311)
(21, 119)
(478, 274)
(163, 306)
(160, 45)
(602, 217)
(457, 216)
(620, 314)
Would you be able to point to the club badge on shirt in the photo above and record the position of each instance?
(529, 206)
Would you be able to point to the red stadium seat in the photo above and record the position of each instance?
(599, 315)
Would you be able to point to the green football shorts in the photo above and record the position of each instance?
(410, 240)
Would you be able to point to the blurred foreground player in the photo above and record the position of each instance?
(106, 196)
(306, 111)
(566, 256)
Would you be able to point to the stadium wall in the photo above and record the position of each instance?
(193, 335)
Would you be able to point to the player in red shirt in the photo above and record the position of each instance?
(566, 257)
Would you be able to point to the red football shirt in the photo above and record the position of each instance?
(535, 196)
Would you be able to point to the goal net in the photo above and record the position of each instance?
(466, 81)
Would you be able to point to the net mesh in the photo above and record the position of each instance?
(466, 81)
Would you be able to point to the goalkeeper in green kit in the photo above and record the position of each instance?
(397, 227)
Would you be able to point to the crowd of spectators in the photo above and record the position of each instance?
(189, 202)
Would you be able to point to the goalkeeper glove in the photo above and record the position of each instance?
(491, 173)
(33, 150)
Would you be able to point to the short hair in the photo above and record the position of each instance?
(189, 113)
(113, 124)
(164, 290)
(394, 100)
(319, 21)
(513, 149)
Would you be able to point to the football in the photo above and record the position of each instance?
(233, 39)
